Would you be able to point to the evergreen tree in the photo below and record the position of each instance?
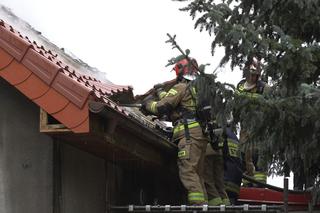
(285, 123)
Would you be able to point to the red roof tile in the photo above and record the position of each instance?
(12, 41)
(52, 96)
(33, 87)
(41, 66)
(55, 86)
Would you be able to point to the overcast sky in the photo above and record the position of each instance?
(123, 38)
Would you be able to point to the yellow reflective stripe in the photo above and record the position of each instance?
(258, 173)
(248, 94)
(232, 143)
(260, 176)
(193, 91)
(215, 201)
(232, 187)
(182, 153)
(233, 148)
(153, 107)
(172, 92)
(241, 89)
(180, 127)
(162, 94)
(196, 196)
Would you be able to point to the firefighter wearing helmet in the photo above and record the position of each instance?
(252, 87)
(186, 69)
(252, 83)
(180, 107)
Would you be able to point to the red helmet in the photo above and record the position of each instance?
(187, 69)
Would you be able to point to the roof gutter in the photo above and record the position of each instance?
(146, 134)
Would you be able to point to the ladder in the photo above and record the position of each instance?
(201, 208)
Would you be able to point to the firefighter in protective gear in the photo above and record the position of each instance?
(233, 166)
(180, 107)
(252, 87)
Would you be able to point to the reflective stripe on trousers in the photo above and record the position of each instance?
(260, 176)
(196, 197)
(232, 187)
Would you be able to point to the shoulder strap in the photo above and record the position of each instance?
(260, 86)
(190, 85)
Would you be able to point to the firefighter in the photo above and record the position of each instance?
(179, 106)
(223, 182)
(233, 166)
(252, 87)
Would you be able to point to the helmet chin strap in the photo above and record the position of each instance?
(180, 77)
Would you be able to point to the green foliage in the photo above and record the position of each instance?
(209, 91)
(285, 35)
(216, 94)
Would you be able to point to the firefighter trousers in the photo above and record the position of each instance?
(190, 163)
(214, 178)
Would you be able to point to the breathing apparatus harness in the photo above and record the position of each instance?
(209, 127)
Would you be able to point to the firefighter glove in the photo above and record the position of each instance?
(143, 108)
(158, 86)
